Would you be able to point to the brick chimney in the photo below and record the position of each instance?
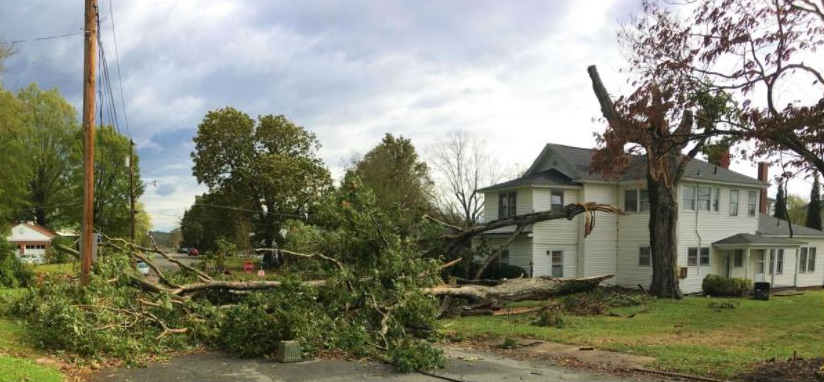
(725, 159)
(763, 169)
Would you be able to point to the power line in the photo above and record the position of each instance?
(119, 76)
(34, 39)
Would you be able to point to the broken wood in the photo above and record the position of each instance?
(486, 299)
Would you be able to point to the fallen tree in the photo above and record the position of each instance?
(359, 286)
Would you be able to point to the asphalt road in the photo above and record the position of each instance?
(463, 365)
(167, 265)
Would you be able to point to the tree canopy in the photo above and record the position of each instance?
(399, 180)
(815, 208)
(270, 162)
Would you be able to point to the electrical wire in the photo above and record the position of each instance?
(35, 39)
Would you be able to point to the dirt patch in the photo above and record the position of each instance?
(799, 370)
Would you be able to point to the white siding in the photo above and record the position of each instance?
(815, 278)
(598, 252)
(523, 203)
(559, 234)
(520, 250)
(702, 228)
(21, 232)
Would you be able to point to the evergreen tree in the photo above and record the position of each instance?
(780, 203)
(814, 208)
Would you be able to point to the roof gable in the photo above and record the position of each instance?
(772, 226)
(30, 232)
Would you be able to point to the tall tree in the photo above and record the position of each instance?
(111, 210)
(13, 184)
(213, 215)
(780, 203)
(270, 164)
(815, 209)
(399, 180)
(50, 124)
(462, 165)
(752, 49)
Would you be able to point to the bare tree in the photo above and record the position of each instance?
(462, 165)
(6, 50)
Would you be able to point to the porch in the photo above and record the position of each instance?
(759, 258)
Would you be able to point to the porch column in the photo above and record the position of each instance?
(795, 272)
(773, 263)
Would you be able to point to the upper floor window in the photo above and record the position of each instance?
(733, 202)
(631, 200)
(506, 205)
(704, 198)
(716, 199)
(556, 199)
(689, 198)
(752, 200)
(643, 197)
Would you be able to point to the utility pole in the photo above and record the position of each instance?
(131, 186)
(89, 56)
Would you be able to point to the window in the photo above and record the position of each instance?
(503, 259)
(506, 205)
(776, 261)
(644, 198)
(716, 199)
(557, 263)
(806, 262)
(692, 256)
(631, 200)
(752, 199)
(705, 256)
(733, 202)
(689, 197)
(556, 200)
(738, 258)
(644, 257)
(759, 262)
(704, 196)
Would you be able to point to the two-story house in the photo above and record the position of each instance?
(722, 227)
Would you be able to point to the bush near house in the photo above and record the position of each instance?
(714, 285)
(504, 271)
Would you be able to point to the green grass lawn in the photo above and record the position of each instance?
(67, 268)
(684, 336)
(17, 354)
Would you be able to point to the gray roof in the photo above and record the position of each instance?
(770, 225)
(549, 177)
(748, 238)
(575, 162)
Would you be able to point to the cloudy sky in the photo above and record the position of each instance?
(513, 72)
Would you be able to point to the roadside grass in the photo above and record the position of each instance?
(66, 268)
(684, 336)
(16, 353)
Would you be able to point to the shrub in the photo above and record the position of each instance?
(714, 285)
(13, 273)
(505, 271)
(551, 317)
(412, 355)
(508, 343)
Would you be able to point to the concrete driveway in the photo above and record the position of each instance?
(463, 365)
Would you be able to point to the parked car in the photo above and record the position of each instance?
(30, 258)
(193, 252)
(183, 250)
(143, 268)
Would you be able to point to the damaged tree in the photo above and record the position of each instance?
(359, 286)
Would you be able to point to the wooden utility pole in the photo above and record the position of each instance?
(89, 58)
(132, 210)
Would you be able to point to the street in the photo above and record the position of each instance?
(462, 365)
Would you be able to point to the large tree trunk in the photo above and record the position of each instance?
(482, 297)
(663, 225)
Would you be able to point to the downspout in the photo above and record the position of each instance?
(698, 263)
(747, 264)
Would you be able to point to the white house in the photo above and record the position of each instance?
(722, 227)
(31, 239)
